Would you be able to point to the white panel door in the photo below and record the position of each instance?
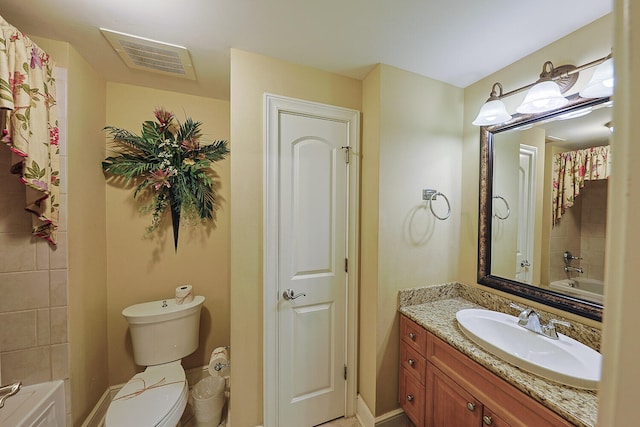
(526, 213)
(312, 252)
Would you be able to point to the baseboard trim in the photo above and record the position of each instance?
(363, 414)
(99, 411)
(395, 418)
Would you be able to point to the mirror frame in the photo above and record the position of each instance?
(485, 213)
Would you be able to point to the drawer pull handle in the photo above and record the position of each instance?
(410, 398)
(487, 420)
(471, 406)
(411, 362)
(412, 336)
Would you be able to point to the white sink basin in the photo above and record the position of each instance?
(564, 360)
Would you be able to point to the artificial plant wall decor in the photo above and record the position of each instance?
(171, 165)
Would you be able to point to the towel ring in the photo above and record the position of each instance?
(430, 196)
(506, 204)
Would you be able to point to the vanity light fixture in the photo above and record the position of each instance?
(610, 126)
(601, 83)
(493, 111)
(546, 93)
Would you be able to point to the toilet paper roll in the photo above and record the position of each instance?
(184, 294)
(219, 362)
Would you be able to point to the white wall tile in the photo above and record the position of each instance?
(17, 253)
(42, 253)
(58, 287)
(22, 331)
(44, 327)
(60, 361)
(24, 291)
(31, 366)
(58, 256)
(58, 325)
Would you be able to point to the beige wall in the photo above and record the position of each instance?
(413, 131)
(580, 47)
(146, 269)
(621, 343)
(369, 236)
(251, 76)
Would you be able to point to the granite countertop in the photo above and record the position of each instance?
(435, 307)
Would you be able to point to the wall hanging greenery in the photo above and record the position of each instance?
(174, 168)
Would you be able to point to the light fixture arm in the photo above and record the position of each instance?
(556, 73)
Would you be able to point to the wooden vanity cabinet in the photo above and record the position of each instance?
(451, 390)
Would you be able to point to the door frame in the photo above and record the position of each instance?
(273, 106)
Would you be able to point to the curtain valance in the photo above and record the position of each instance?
(29, 126)
(570, 171)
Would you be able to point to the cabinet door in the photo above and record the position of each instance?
(449, 405)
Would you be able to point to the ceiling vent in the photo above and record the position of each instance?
(151, 55)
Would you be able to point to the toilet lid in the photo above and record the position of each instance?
(148, 397)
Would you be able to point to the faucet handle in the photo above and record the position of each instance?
(559, 322)
(516, 306)
(550, 329)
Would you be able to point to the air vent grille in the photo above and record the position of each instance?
(150, 55)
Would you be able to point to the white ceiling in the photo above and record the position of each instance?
(455, 41)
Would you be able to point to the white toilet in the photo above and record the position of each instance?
(162, 333)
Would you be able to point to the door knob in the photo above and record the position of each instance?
(525, 263)
(290, 295)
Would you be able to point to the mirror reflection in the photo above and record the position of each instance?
(527, 247)
(548, 202)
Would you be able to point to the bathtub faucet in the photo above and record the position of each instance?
(7, 391)
(568, 257)
(569, 268)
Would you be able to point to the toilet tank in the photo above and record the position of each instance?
(163, 331)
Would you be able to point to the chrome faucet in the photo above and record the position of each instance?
(530, 319)
(568, 268)
(7, 391)
(568, 257)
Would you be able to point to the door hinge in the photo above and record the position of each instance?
(346, 265)
(347, 150)
(345, 372)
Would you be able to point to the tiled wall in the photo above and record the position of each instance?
(34, 342)
(582, 232)
(565, 236)
(594, 224)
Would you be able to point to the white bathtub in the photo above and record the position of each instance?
(38, 405)
(588, 289)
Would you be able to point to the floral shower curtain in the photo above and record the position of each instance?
(29, 126)
(571, 169)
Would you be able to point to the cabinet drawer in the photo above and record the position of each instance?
(413, 334)
(412, 361)
(412, 397)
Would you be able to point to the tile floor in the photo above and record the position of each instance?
(343, 422)
(189, 421)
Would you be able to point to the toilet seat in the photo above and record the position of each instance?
(155, 397)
